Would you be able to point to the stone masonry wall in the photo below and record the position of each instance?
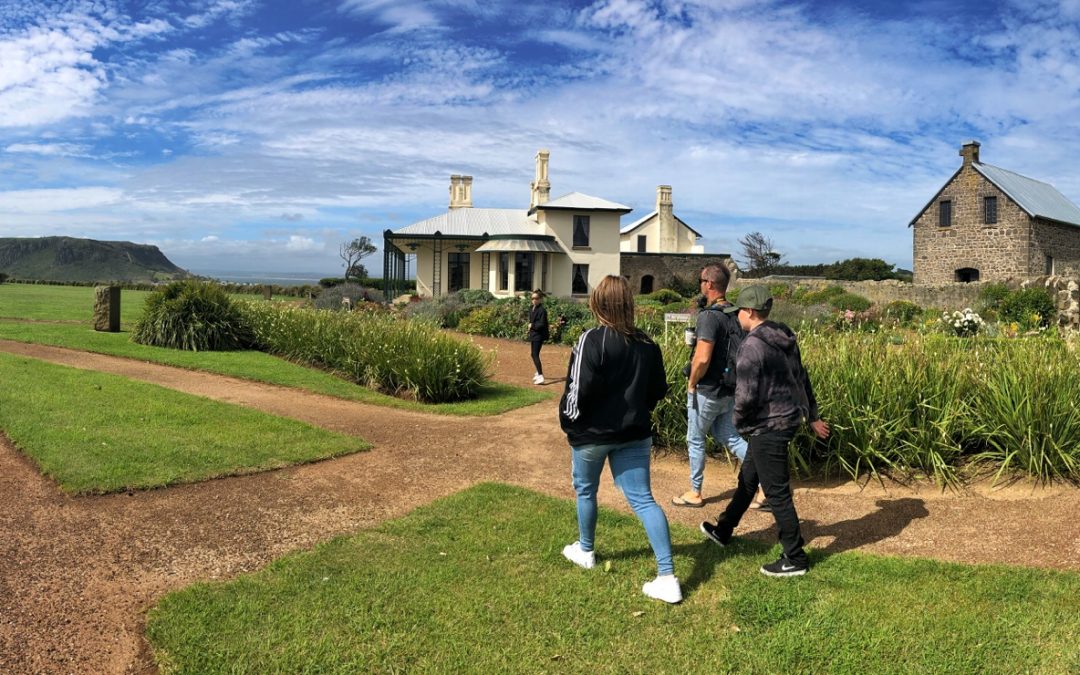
(1060, 241)
(664, 266)
(1066, 293)
(998, 251)
(949, 296)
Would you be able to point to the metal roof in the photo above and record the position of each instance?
(1037, 198)
(475, 222)
(577, 200)
(514, 245)
(641, 221)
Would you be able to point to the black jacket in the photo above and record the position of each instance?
(538, 323)
(612, 386)
(772, 390)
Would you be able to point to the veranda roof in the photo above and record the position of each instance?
(520, 246)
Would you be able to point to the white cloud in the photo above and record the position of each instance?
(60, 199)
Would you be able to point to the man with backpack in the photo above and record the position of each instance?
(711, 385)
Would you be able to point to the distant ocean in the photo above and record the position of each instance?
(276, 278)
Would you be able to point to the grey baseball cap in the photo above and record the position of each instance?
(751, 297)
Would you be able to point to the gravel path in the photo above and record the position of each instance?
(77, 574)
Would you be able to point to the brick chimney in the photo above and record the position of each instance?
(970, 152)
(460, 192)
(665, 217)
(540, 188)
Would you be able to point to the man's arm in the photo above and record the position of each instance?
(699, 364)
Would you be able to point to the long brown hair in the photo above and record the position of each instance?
(612, 303)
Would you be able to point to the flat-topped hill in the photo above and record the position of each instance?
(70, 259)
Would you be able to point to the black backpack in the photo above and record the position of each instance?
(735, 337)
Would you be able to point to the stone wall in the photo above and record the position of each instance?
(662, 267)
(998, 251)
(1058, 240)
(1066, 293)
(942, 296)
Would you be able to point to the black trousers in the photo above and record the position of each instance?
(767, 463)
(536, 344)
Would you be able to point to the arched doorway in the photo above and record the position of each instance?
(646, 284)
(967, 275)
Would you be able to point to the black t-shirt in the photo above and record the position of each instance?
(712, 327)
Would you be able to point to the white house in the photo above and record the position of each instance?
(562, 246)
(660, 231)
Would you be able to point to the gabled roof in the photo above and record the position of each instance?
(641, 221)
(1038, 199)
(475, 222)
(582, 202)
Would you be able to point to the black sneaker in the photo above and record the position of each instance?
(721, 535)
(784, 568)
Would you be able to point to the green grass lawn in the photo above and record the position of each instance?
(42, 302)
(94, 432)
(476, 583)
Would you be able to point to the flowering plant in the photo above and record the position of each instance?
(965, 323)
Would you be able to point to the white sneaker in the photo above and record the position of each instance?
(664, 588)
(574, 554)
(538, 379)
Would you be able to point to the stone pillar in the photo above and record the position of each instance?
(268, 292)
(107, 309)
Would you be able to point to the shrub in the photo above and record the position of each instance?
(194, 316)
(665, 296)
(331, 297)
(686, 286)
(992, 295)
(3, 277)
(849, 301)
(810, 296)
(902, 312)
(859, 269)
(1030, 308)
(965, 323)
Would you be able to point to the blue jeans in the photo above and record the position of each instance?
(706, 415)
(630, 468)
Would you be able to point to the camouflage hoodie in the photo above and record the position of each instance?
(772, 390)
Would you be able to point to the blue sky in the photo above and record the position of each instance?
(248, 135)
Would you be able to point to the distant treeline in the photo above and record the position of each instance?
(852, 269)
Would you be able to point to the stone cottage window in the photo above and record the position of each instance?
(945, 213)
(967, 275)
(989, 210)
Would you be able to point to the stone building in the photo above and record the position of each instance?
(990, 224)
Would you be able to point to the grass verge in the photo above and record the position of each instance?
(42, 302)
(95, 433)
(495, 398)
(475, 583)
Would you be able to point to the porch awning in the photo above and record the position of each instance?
(520, 245)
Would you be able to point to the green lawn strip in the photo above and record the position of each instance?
(495, 398)
(62, 303)
(476, 583)
(96, 433)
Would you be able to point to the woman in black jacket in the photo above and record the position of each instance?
(615, 379)
(538, 332)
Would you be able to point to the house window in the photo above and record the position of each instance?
(944, 213)
(989, 210)
(523, 271)
(581, 231)
(458, 264)
(579, 284)
(646, 284)
(641, 243)
(504, 271)
(1049, 266)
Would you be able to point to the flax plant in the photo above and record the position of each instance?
(399, 357)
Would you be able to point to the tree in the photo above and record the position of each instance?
(352, 253)
(860, 269)
(759, 255)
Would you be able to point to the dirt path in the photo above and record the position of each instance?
(78, 574)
